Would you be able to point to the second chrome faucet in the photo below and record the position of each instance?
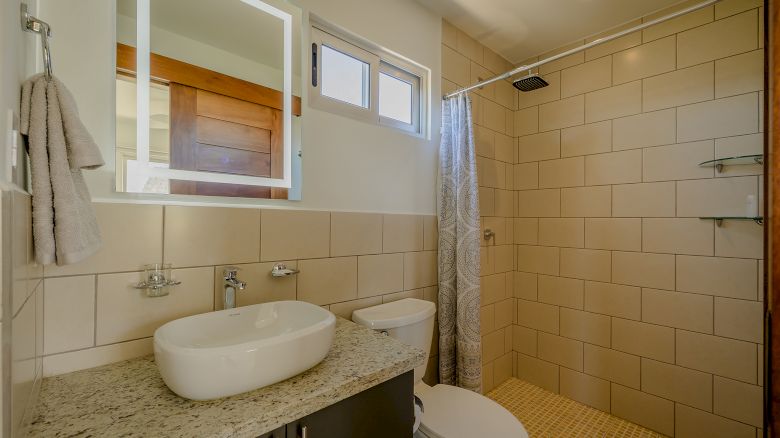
(231, 285)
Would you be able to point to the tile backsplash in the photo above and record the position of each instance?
(347, 261)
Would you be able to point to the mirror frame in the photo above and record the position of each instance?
(142, 163)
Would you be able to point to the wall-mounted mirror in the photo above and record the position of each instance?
(208, 98)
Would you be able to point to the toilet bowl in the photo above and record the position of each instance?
(447, 411)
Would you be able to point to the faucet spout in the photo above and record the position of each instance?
(231, 284)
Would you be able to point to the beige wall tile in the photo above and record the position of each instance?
(646, 60)
(677, 236)
(505, 203)
(380, 274)
(622, 43)
(562, 113)
(346, 308)
(566, 61)
(526, 176)
(592, 138)
(420, 269)
(430, 233)
(693, 423)
(739, 319)
(261, 287)
(646, 340)
(449, 34)
(613, 299)
(504, 311)
(644, 200)
(678, 309)
(537, 316)
(124, 313)
(675, 25)
(455, 67)
(731, 7)
(566, 292)
(527, 121)
(484, 142)
(402, 232)
(469, 47)
(504, 148)
(78, 360)
(724, 277)
(500, 226)
(526, 231)
(487, 319)
(415, 293)
(492, 346)
(326, 281)
(538, 259)
(524, 340)
(537, 372)
(539, 203)
(738, 401)
(612, 365)
(613, 168)
(713, 354)
(494, 116)
(590, 76)
(486, 201)
(542, 146)
(741, 145)
(683, 385)
(69, 313)
(614, 102)
(585, 326)
(355, 234)
(680, 87)
(542, 95)
(647, 129)
(525, 286)
(585, 389)
(643, 269)
(567, 232)
(122, 250)
(719, 39)
(718, 118)
(567, 172)
(677, 161)
(493, 288)
(643, 409)
(715, 196)
(562, 351)
(487, 378)
(587, 264)
(502, 369)
(739, 74)
(586, 201)
(293, 234)
(739, 239)
(620, 234)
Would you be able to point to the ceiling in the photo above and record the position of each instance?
(520, 29)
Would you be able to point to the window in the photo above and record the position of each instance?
(377, 88)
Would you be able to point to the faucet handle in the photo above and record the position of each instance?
(230, 271)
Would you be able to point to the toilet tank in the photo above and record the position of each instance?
(409, 320)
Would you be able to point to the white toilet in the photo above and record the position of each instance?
(449, 411)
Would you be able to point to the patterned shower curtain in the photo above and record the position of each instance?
(460, 358)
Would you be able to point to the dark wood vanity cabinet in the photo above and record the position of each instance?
(384, 411)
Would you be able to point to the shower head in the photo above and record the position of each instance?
(530, 83)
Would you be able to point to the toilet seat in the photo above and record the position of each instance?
(452, 412)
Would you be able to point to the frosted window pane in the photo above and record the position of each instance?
(344, 78)
(395, 98)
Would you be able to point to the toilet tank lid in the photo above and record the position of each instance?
(394, 314)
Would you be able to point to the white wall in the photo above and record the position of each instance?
(348, 165)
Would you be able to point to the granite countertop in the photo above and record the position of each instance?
(129, 398)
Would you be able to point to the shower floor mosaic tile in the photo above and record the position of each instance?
(545, 414)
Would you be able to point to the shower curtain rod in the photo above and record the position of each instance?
(594, 43)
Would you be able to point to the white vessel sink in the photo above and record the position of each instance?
(231, 351)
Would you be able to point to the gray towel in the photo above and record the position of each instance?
(65, 230)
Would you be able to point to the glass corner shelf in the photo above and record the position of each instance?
(719, 219)
(733, 161)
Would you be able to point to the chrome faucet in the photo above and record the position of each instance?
(230, 286)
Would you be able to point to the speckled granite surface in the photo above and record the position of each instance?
(129, 398)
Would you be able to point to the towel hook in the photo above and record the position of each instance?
(32, 24)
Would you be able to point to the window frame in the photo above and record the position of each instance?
(380, 61)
